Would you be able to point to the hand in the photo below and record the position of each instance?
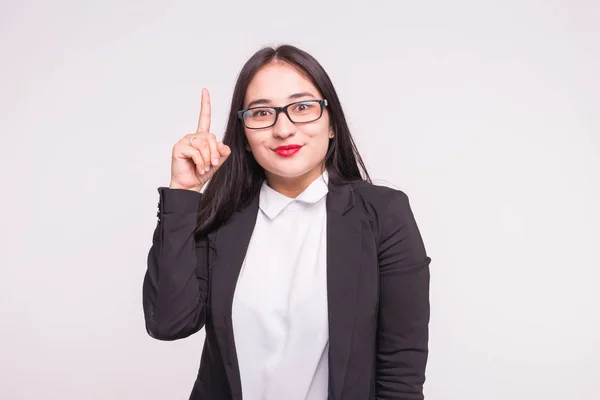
(198, 155)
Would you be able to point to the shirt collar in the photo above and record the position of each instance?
(272, 202)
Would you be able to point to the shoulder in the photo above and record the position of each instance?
(378, 196)
(392, 221)
(387, 208)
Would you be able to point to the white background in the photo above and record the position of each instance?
(487, 114)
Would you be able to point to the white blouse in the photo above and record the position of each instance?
(280, 318)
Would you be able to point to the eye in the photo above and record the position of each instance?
(261, 112)
(304, 106)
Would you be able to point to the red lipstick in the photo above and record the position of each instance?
(288, 151)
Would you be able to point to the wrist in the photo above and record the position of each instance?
(175, 185)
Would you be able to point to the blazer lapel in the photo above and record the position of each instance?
(231, 244)
(344, 232)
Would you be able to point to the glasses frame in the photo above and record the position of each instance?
(283, 109)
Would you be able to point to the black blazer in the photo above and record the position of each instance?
(378, 291)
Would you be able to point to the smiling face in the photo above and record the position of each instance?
(279, 84)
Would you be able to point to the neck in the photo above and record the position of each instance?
(292, 187)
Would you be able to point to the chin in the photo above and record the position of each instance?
(291, 168)
(291, 171)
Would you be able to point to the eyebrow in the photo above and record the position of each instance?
(292, 97)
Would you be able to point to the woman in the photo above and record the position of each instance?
(310, 281)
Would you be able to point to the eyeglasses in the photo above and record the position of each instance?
(297, 112)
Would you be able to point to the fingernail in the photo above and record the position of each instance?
(207, 169)
(215, 161)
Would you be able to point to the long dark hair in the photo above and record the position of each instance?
(239, 179)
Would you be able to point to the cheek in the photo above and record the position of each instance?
(319, 131)
(257, 138)
(318, 136)
(318, 142)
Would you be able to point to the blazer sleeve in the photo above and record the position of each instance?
(403, 321)
(175, 286)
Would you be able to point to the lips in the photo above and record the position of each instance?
(289, 150)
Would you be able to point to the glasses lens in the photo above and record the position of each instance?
(304, 111)
(259, 117)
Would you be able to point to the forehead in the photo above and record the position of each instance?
(276, 82)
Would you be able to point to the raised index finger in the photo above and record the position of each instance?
(204, 120)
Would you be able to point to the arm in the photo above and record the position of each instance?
(402, 339)
(176, 280)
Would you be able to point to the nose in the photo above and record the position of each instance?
(283, 127)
